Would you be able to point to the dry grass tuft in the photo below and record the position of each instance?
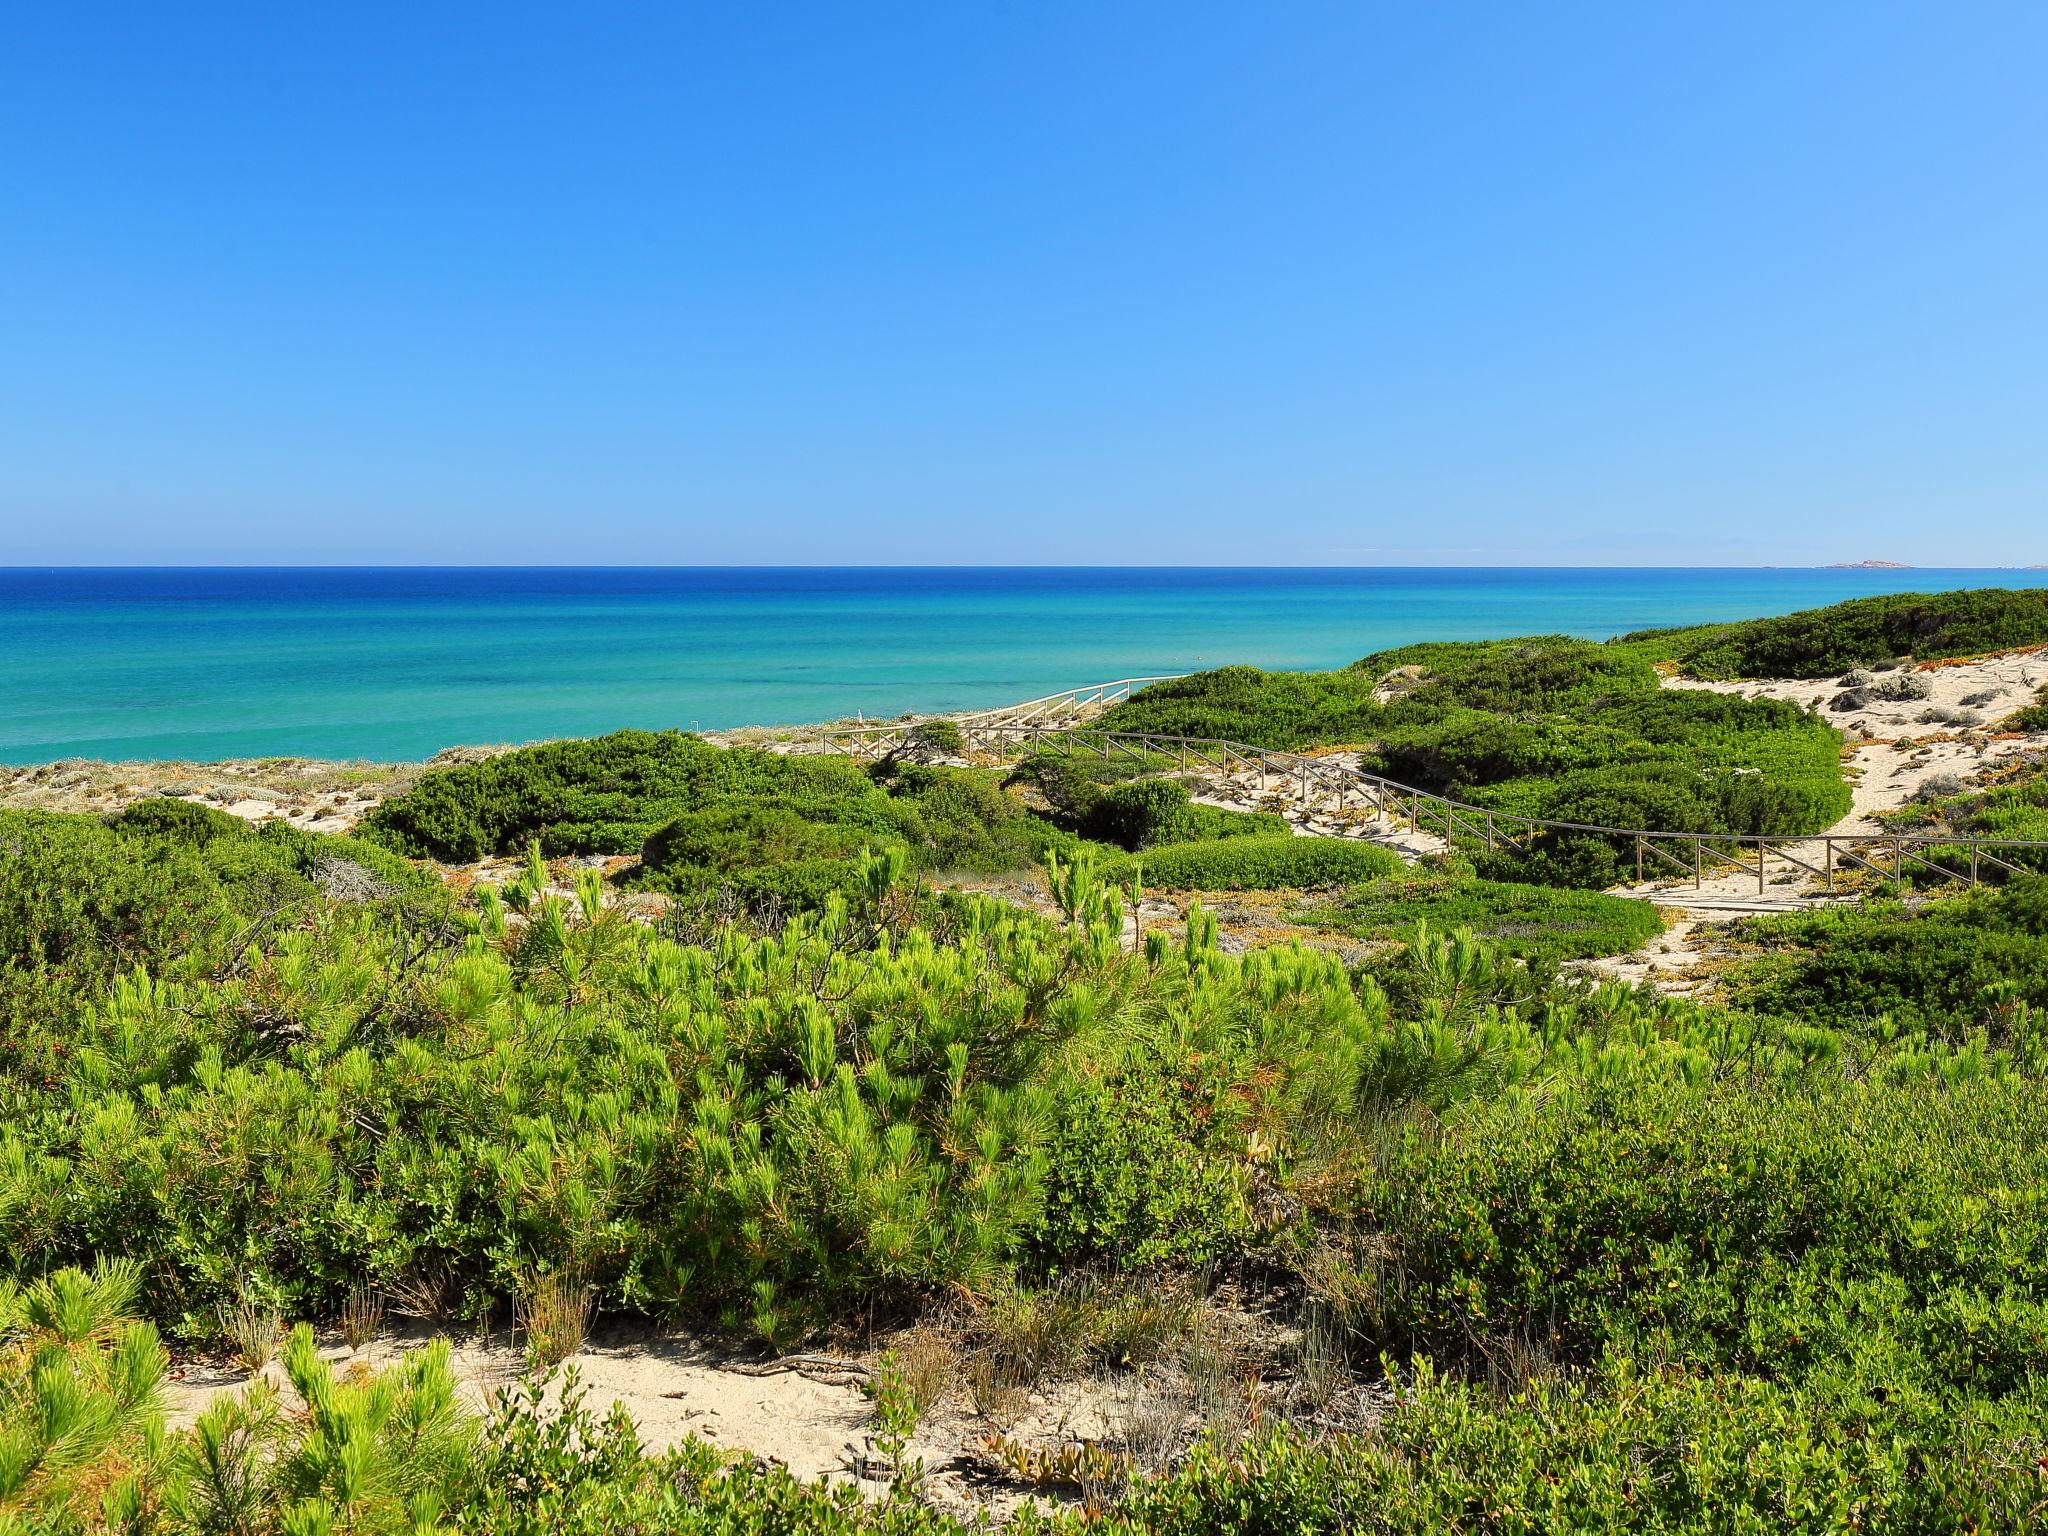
(553, 1312)
(928, 1363)
(251, 1330)
(427, 1294)
(362, 1317)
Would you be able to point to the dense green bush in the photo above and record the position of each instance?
(1262, 864)
(1144, 813)
(775, 830)
(1520, 920)
(1952, 967)
(1551, 728)
(2033, 717)
(1145, 1169)
(1680, 1268)
(1279, 710)
(605, 795)
(1737, 1228)
(1538, 674)
(162, 883)
(1862, 632)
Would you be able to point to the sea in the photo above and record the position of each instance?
(395, 664)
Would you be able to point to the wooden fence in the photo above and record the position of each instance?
(1036, 727)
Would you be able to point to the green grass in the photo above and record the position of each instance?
(1261, 863)
(1526, 921)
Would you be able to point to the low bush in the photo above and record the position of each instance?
(607, 795)
(1262, 864)
(1144, 1169)
(168, 888)
(1863, 632)
(1525, 921)
(79, 1404)
(2033, 717)
(2009, 802)
(772, 829)
(1144, 813)
(1552, 728)
(1735, 1228)
(1951, 968)
(1278, 710)
(1540, 674)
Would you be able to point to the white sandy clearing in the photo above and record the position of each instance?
(808, 1413)
(1889, 757)
(1892, 754)
(1319, 815)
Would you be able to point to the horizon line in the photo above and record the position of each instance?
(995, 566)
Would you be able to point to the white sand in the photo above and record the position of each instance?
(812, 1417)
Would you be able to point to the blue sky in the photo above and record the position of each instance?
(1024, 281)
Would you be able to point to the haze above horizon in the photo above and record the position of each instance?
(1299, 284)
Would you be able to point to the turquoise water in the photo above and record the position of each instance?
(396, 664)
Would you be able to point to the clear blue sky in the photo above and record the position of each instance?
(1024, 281)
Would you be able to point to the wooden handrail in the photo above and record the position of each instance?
(1478, 822)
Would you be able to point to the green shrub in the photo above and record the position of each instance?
(1145, 1169)
(2033, 717)
(1736, 1227)
(1264, 864)
(1950, 968)
(185, 821)
(1134, 815)
(775, 829)
(1710, 1270)
(1144, 813)
(1520, 920)
(1551, 728)
(2009, 802)
(606, 795)
(154, 887)
(1636, 1447)
(1279, 710)
(1862, 632)
(1538, 674)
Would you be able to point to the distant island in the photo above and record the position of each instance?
(1867, 565)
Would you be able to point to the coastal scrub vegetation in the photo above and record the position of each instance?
(1804, 1256)
(1863, 632)
(1551, 728)
(2008, 802)
(1527, 922)
(1598, 1258)
(770, 829)
(1270, 863)
(1977, 962)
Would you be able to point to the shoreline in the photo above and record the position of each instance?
(1887, 754)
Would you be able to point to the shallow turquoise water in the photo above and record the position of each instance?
(394, 664)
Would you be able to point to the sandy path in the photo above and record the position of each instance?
(815, 1419)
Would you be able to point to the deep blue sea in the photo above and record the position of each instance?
(396, 664)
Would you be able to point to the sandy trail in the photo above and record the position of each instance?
(812, 1415)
